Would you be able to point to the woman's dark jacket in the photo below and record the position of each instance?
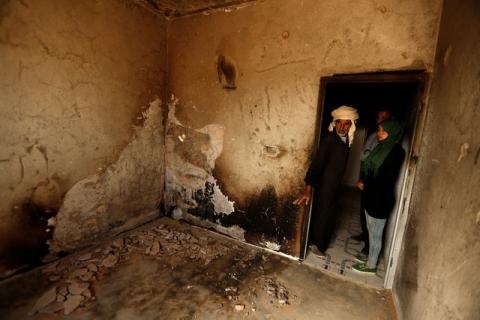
(379, 192)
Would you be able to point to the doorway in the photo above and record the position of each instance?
(402, 93)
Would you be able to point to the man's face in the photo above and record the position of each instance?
(342, 127)
(382, 115)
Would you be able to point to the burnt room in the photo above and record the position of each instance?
(239, 159)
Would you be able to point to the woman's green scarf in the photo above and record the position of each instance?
(377, 156)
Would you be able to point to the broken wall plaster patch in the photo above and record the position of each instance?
(221, 202)
(171, 118)
(216, 134)
(125, 191)
(183, 178)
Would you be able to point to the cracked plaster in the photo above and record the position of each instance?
(74, 75)
(185, 175)
(129, 190)
(280, 60)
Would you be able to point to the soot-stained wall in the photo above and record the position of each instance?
(255, 73)
(438, 275)
(75, 78)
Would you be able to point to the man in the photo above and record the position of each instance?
(325, 174)
(370, 144)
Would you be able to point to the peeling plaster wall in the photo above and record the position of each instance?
(193, 192)
(277, 51)
(127, 193)
(438, 275)
(75, 78)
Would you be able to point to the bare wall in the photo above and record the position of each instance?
(438, 275)
(75, 78)
(276, 51)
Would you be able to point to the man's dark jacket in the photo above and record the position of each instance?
(325, 175)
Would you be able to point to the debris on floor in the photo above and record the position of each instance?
(170, 270)
(276, 290)
(75, 278)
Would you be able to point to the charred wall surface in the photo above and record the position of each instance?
(438, 277)
(75, 78)
(256, 72)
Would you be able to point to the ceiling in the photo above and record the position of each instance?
(180, 8)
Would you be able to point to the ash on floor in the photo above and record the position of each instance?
(171, 270)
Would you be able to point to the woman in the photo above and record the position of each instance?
(379, 174)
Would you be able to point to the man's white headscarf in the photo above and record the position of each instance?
(345, 113)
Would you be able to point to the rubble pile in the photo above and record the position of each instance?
(276, 290)
(74, 278)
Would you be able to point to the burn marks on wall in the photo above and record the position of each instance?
(227, 72)
(191, 188)
(25, 245)
(268, 219)
(193, 192)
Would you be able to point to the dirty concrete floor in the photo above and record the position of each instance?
(171, 270)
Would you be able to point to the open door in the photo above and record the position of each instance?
(402, 91)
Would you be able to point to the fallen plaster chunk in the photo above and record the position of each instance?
(155, 248)
(272, 245)
(109, 261)
(54, 278)
(87, 276)
(48, 297)
(62, 290)
(118, 243)
(87, 293)
(60, 297)
(77, 288)
(92, 267)
(86, 256)
(79, 272)
(239, 307)
(53, 307)
(72, 303)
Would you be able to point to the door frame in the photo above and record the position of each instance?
(413, 76)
